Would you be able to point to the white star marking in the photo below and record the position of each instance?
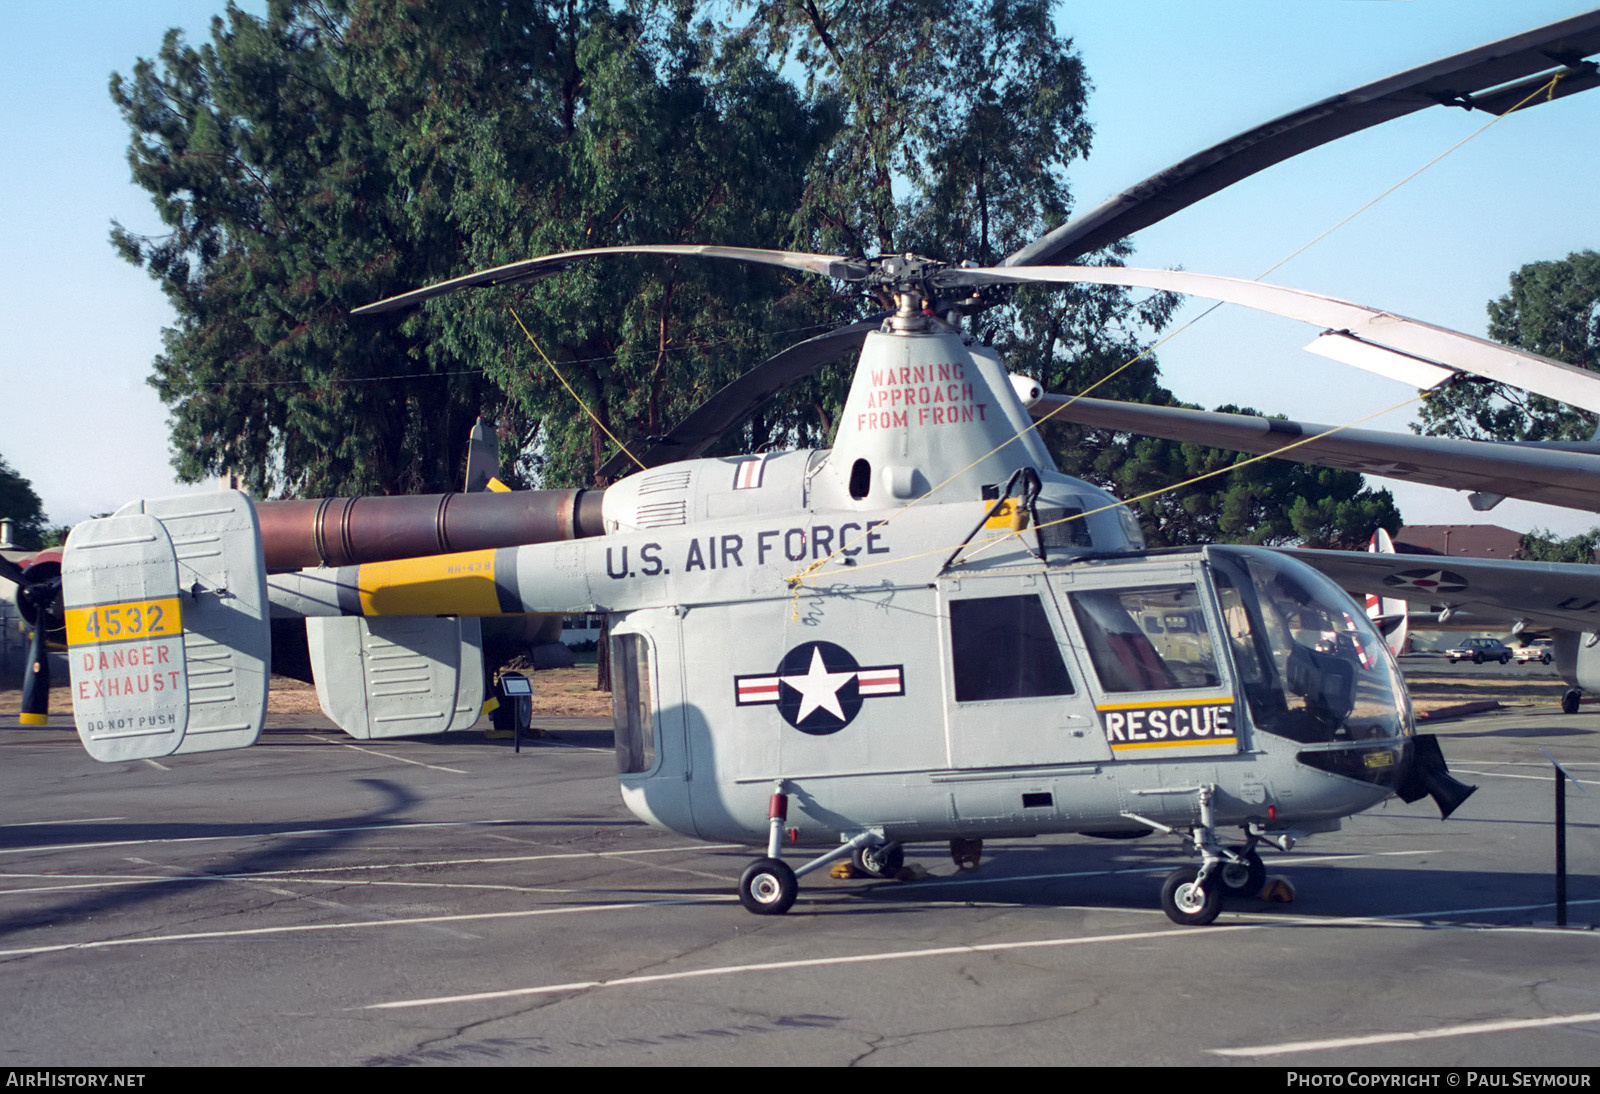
(819, 688)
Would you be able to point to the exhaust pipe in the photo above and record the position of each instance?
(1429, 776)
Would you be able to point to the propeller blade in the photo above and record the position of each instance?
(1419, 343)
(36, 681)
(534, 269)
(10, 571)
(1493, 78)
(711, 419)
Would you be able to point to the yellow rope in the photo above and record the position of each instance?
(575, 396)
(797, 581)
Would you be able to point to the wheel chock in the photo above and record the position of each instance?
(1278, 890)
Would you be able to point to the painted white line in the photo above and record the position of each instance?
(1272, 864)
(1465, 1030)
(115, 881)
(1394, 921)
(1510, 775)
(403, 760)
(305, 928)
(74, 820)
(95, 881)
(803, 963)
(1546, 766)
(400, 826)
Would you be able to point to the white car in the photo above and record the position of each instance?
(1537, 650)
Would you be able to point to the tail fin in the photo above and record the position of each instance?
(1391, 616)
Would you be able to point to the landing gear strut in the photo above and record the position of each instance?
(1192, 896)
(768, 885)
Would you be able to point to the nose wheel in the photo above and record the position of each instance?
(1189, 901)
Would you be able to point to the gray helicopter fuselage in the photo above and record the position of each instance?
(927, 631)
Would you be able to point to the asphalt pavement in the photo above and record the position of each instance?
(318, 900)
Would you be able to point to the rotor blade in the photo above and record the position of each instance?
(1420, 343)
(725, 409)
(1565, 473)
(535, 268)
(1494, 78)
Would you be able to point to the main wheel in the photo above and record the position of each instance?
(1243, 879)
(1569, 701)
(768, 887)
(882, 861)
(1185, 902)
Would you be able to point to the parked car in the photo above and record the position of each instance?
(1479, 650)
(1537, 650)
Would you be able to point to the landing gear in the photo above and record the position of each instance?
(1193, 895)
(1189, 902)
(1244, 878)
(768, 887)
(884, 860)
(1570, 700)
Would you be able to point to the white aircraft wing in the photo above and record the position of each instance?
(1555, 473)
(1554, 595)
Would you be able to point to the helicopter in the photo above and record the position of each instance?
(923, 632)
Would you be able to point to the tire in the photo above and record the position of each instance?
(768, 887)
(1245, 880)
(1505, 658)
(1569, 701)
(884, 861)
(1477, 659)
(1180, 901)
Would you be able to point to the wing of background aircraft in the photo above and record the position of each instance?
(1544, 595)
(1555, 473)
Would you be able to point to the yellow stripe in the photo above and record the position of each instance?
(125, 621)
(1178, 744)
(1200, 701)
(498, 487)
(35, 719)
(460, 584)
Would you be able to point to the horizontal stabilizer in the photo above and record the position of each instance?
(169, 644)
(397, 676)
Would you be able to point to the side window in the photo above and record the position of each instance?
(1002, 647)
(1152, 639)
(635, 726)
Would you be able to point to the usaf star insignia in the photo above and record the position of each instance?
(819, 687)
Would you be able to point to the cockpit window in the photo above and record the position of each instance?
(1149, 639)
(1312, 667)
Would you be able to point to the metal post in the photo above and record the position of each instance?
(1561, 848)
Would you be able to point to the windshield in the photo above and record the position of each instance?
(1312, 667)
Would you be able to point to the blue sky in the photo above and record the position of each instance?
(1170, 76)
